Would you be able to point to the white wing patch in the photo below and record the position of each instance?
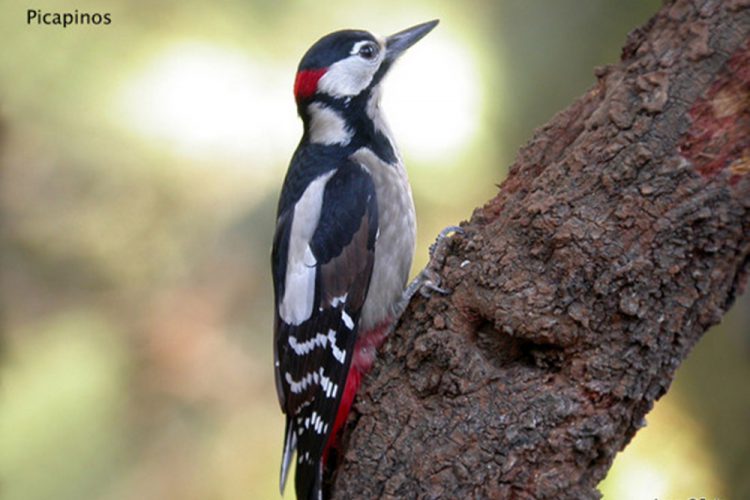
(299, 289)
(299, 283)
(298, 386)
(347, 320)
(316, 422)
(339, 300)
(326, 383)
(303, 348)
(312, 378)
(339, 354)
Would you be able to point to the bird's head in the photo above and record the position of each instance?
(348, 63)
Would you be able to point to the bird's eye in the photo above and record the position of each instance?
(368, 51)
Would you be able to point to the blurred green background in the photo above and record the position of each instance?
(139, 168)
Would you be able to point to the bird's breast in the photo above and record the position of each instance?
(394, 248)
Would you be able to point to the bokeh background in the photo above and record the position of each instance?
(139, 168)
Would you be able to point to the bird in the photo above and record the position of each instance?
(343, 244)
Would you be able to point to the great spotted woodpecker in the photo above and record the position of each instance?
(344, 243)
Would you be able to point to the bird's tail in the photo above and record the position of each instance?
(290, 444)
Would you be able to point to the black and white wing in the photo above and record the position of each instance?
(322, 261)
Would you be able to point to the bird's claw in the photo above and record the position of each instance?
(437, 247)
(429, 278)
(430, 282)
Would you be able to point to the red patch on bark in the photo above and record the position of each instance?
(719, 136)
(306, 83)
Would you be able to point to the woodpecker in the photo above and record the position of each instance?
(344, 243)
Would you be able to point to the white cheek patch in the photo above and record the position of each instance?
(299, 283)
(352, 75)
(327, 126)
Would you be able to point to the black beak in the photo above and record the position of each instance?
(395, 45)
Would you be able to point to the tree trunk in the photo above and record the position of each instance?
(621, 234)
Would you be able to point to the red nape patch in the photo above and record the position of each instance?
(306, 83)
(719, 135)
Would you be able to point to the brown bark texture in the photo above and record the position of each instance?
(621, 234)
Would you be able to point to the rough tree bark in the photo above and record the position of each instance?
(620, 235)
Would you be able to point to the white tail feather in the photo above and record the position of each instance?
(290, 444)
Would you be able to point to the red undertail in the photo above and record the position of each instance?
(365, 351)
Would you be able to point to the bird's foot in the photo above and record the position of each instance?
(428, 281)
(437, 249)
